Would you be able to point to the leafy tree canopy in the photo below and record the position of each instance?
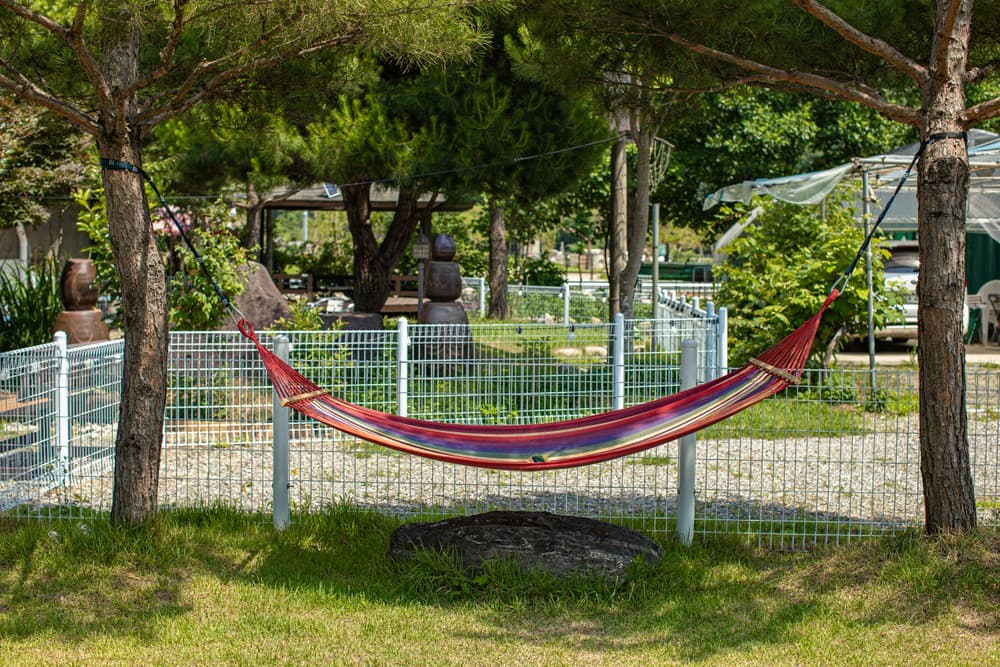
(777, 273)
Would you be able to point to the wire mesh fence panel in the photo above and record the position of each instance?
(983, 404)
(835, 458)
(327, 466)
(30, 461)
(218, 435)
(93, 390)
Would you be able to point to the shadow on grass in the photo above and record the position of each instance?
(716, 596)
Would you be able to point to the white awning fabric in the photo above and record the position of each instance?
(884, 172)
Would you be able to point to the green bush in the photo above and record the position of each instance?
(776, 275)
(192, 301)
(29, 303)
(542, 272)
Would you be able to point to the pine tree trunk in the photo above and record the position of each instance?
(371, 278)
(253, 231)
(143, 287)
(617, 231)
(943, 187)
(638, 222)
(949, 503)
(144, 377)
(499, 307)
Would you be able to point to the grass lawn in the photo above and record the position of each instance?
(216, 587)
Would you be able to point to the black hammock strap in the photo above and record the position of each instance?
(118, 165)
(841, 281)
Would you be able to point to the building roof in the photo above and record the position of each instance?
(327, 197)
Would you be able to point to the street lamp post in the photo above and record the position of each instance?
(421, 251)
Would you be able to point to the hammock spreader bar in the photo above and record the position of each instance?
(560, 444)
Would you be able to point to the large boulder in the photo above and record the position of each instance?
(261, 302)
(557, 544)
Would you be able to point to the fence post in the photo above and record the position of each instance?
(402, 367)
(279, 449)
(711, 341)
(618, 369)
(686, 455)
(62, 406)
(722, 358)
(565, 291)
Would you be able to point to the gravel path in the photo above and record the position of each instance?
(847, 482)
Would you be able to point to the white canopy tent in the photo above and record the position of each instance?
(880, 175)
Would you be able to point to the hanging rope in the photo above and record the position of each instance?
(841, 281)
(118, 165)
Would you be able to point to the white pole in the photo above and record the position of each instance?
(686, 455)
(565, 289)
(62, 406)
(656, 262)
(279, 450)
(722, 357)
(619, 362)
(402, 367)
(866, 215)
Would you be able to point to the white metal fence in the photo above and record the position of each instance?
(826, 461)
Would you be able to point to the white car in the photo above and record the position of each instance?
(901, 271)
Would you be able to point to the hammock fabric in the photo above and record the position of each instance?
(561, 444)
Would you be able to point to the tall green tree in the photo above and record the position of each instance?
(116, 70)
(513, 140)
(746, 133)
(929, 65)
(573, 48)
(456, 132)
(40, 157)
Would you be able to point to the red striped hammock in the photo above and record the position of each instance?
(560, 444)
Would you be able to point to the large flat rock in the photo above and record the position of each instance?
(558, 544)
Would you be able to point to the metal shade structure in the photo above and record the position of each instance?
(880, 175)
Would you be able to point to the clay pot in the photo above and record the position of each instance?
(78, 290)
(444, 281)
(82, 326)
(443, 248)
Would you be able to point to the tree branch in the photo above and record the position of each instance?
(865, 42)
(976, 74)
(166, 53)
(982, 111)
(806, 81)
(942, 37)
(72, 37)
(19, 84)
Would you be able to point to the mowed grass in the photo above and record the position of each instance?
(217, 587)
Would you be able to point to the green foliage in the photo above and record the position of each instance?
(302, 317)
(541, 272)
(92, 220)
(30, 300)
(40, 156)
(192, 301)
(745, 134)
(780, 270)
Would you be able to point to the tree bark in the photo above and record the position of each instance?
(499, 307)
(617, 230)
(144, 309)
(374, 262)
(638, 221)
(253, 231)
(943, 187)
(143, 287)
